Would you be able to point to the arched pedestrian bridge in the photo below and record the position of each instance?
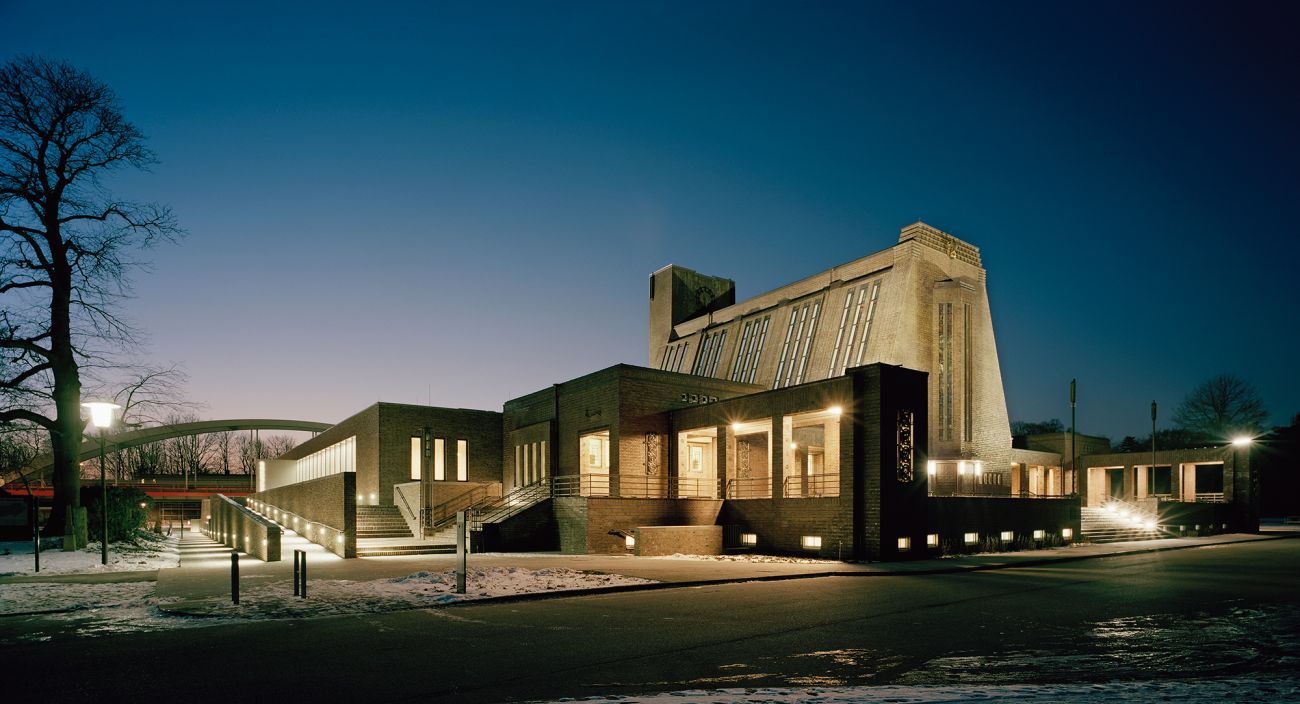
(144, 436)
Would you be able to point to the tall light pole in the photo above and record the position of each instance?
(1151, 473)
(1074, 460)
(1237, 443)
(101, 416)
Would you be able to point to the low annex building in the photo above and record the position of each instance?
(857, 413)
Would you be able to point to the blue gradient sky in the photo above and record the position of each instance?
(396, 201)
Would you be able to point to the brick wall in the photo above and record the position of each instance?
(398, 423)
(671, 540)
(607, 516)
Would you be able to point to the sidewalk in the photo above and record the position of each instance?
(202, 582)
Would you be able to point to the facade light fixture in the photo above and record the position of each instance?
(1241, 441)
(836, 410)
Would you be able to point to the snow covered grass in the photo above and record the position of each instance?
(1262, 688)
(420, 589)
(149, 552)
(93, 609)
(751, 558)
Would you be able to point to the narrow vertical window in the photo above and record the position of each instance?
(545, 457)
(758, 348)
(785, 347)
(439, 460)
(945, 371)
(866, 327)
(967, 377)
(462, 460)
(807, 342)
(702, 362)
(717, 353)
(844, 317)
(417, 449)
(519, 465)
(742, 352)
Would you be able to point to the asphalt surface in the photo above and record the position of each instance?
(1214, 611)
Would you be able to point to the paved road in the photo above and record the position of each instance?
(1228, 609)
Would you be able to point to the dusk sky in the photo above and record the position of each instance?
(462, 202)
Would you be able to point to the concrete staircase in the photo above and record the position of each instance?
(381, 522)
(1117, 522)
(382, 531)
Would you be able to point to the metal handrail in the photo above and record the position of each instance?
(515, 502)
(445, 512)
(749, 488)
(414, 516)
(811, 486)
(1210, 497)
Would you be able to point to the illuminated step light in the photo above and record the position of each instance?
(971, 538)
(1067, 534)
(1150, 525)
(1008, 535)
(932, 540)
(629, 541)
(811, 542)
(904, 544)
(749, 540)
(340, 539)
(1040, 534)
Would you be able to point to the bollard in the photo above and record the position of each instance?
(234, 577)
(461, 526)
(302, 590)
(295, 572)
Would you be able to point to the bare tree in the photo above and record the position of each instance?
(1221, 407)
(65, 246)
(277, 445)
(222, 447)
(150, 394)
(249, 449)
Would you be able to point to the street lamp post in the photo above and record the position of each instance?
(101, 416)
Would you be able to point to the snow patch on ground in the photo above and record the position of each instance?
(98, 609)
(151, 552)
(420, 589)
(1262, 688)
(738, 557)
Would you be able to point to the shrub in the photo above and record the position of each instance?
(128, 510)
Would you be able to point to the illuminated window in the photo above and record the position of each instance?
(971, 538)
(932, 540)
(439, 460)
(1040, 534)
(811, 447)
(593, 463)
(798, 336)
(904, 544)
(967, 377)
(545, 456)
(945, 371)
(674, 356)
(1008, 535)
(417, 446)
(337, 458)
(749, 540)
(752, 337)
(462, 460)
(710, 351)
(811, 542)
